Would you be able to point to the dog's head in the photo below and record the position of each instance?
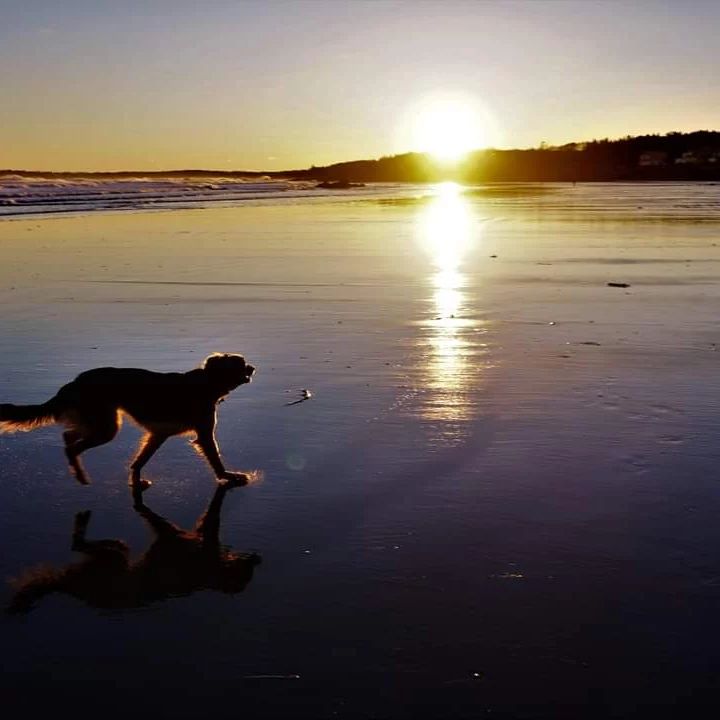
(228, 371)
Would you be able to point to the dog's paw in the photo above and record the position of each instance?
(79, 474)
(139, 485)
(234, 479)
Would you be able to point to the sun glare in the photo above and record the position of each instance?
(448, 129)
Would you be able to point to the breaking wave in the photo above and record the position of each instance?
(22, 195)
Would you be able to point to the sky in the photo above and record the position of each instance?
(221, 84)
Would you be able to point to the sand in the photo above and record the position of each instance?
(500, 496)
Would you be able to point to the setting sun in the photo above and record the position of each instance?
(448, 129)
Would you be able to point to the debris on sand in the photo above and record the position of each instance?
(305, 395)
(618, 284)
(508, 576)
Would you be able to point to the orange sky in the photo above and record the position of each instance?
(227, 85)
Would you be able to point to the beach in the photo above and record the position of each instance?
(499, 498)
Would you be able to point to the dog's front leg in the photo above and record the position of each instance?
(206, 443)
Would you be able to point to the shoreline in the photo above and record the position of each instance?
(48, 198)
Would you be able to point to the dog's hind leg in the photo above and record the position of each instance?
(149, 446)
(102, 431)
(71, 436)
(76, 467)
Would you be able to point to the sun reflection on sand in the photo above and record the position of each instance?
(449, 232)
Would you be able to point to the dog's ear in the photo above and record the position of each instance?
(222, 361)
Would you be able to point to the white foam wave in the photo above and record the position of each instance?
(21, 195)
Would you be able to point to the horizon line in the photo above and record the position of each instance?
(541, 146)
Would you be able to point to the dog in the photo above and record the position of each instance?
(164, 404)
(178, 562)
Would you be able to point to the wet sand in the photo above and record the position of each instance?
(500, 497)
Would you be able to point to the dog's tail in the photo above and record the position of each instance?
(22, 418)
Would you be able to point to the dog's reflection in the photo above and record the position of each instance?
(179, 562)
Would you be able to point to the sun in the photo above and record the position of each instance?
(448, 129)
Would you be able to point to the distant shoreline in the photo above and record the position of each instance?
(673, 157)
(302, 175)
(210, 174)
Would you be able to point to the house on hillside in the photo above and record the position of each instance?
(653, 158)
(698, 157)
(688, 158)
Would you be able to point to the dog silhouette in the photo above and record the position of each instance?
(164, 404)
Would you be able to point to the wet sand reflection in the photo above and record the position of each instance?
(449, 232)
(177, 563)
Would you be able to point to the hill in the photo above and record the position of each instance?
(673, 156)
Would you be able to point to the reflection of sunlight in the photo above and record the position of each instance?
(447, 233)
(445, 227)
(447, 300)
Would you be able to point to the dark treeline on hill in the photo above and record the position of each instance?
(674, 156)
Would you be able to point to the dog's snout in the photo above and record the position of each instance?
(249, 370)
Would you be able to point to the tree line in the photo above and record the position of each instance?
(673, 156)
